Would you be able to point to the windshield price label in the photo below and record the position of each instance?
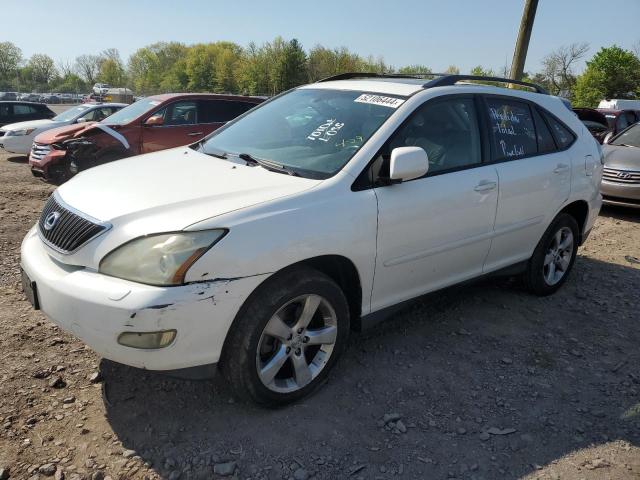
(324, 132)
(379, 100)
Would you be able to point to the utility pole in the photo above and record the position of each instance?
(524, 35)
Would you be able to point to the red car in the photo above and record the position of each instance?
(151, 124)
(620, 119)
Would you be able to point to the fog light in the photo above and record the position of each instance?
(147, 340)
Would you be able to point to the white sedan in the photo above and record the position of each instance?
(18, 137)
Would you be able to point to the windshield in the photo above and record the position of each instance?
(131, 112)
(631, 137)
(71, 114)
(312, 131)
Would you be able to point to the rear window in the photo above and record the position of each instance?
(512, 128)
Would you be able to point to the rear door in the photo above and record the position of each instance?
(180, 127)
(23, 112)
(534, 174)
(213, 113)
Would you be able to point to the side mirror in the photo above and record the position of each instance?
(154, 121)
(408, 163)
(81, 120)
(607, 138)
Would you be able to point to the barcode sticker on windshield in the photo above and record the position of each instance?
(379, 100)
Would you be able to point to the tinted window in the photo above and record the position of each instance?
(4, 110)
(564, 137)
(21, 109)
(622, 122)
(181, 113)
(545, 138)
(447, 130)
(216, 111)
(512, 129)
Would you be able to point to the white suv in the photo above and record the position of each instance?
(262, 246)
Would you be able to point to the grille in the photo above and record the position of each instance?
(39, 150)
(621, 176)
(67, 231)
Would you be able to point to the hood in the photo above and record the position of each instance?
(63, 133)
(173, 189)
(592, 115)
(621, 158)
(28, 124)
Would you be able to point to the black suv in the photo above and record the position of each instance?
(13, 112)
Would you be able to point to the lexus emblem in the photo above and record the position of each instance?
(51, 220)
(624, 175)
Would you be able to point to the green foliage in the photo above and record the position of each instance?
(613, 72)
(10, 58)
(414, 69)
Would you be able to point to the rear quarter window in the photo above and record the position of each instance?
(563, 136)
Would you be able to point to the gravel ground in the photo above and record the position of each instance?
(481, 381)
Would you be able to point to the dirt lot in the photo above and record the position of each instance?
(480, 381)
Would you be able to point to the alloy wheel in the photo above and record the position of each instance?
(558, 257)
(296, 343)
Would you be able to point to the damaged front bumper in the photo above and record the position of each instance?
(98, 309)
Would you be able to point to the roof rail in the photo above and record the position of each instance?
(440, 80)
(447, 80)
(350, 75)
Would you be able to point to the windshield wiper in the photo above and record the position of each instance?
(268, 164)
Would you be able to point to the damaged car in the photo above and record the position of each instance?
(258, 249)
(148, 125)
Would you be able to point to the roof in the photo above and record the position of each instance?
(406, 85)
(169, 96)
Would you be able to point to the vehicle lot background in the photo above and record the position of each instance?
(462, 368)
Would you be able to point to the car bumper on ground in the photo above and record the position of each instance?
(622, 194)
(98, 309)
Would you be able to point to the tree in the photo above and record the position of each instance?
(480, 71)
(88, 67)
(10, 59)
(613, 72)
(558, 68)
(112, 73)
(452, 69)
(415, 69)
(42, 70)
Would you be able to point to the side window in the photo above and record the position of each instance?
(512, 129)
(622, 122)
(20, 109)
(564, 137)
(220, 111)
(5, 110)
(546, 143)
(447, 130)
(181, 113)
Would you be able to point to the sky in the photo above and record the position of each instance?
(438, 33)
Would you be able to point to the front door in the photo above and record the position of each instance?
(436, 230)
(179, 127)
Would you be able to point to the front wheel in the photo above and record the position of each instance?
(287, 337)
(553, 257)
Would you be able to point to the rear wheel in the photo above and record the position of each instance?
(554, 256)
(286, 338)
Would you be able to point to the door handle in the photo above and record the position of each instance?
(561, 167)
(194, 134)
(485, 186)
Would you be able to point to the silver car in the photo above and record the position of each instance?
(621, 175)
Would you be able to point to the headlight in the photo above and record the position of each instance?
(161, 259)
(19, 133)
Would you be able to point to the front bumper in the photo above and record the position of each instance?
(621, 194)
(97, 309)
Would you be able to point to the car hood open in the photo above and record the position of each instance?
(28, 124)
(64, 132)
(173, 189)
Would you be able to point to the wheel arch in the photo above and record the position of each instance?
(580, 211)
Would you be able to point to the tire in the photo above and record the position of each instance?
(554, 256)
(263, 357)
